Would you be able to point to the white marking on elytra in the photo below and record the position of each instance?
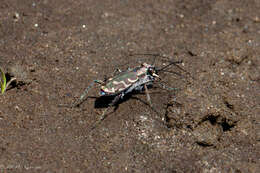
(132, 81)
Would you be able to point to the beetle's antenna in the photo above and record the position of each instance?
(145, 54)
(153, 62)
(172, 72)
(163, 85)
(171, 63)
(162, 56)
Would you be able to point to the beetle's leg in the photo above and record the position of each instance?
(167, 88)
(106, 78)
(104, 115)
(113, 103)
(149, 99)
(82, 97)
(147, 95)
(100, 82)
(117, 70)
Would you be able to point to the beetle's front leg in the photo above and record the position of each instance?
(149, 98)
(147, 95)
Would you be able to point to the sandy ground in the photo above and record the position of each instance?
(55, 49)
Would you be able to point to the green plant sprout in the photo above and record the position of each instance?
(3, 83)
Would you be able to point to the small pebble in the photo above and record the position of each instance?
(181, 16)
(16, 16)
(256, 19)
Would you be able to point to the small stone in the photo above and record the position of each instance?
(256, 19)
(16, 16)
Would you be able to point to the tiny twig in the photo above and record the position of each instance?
(9, 82)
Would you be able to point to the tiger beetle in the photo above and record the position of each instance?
(124, 83)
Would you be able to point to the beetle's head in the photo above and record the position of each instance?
(151, 70)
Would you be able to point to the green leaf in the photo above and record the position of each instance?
(3, 81)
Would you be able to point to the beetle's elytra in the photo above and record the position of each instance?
(129, 80)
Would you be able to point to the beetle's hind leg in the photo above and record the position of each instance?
(104, 115)
(113, 103)
(84, 94)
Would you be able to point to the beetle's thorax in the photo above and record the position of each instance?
(143, 69)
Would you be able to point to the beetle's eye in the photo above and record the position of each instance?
(150, 70)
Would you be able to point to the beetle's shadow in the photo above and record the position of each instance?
(104, 101)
